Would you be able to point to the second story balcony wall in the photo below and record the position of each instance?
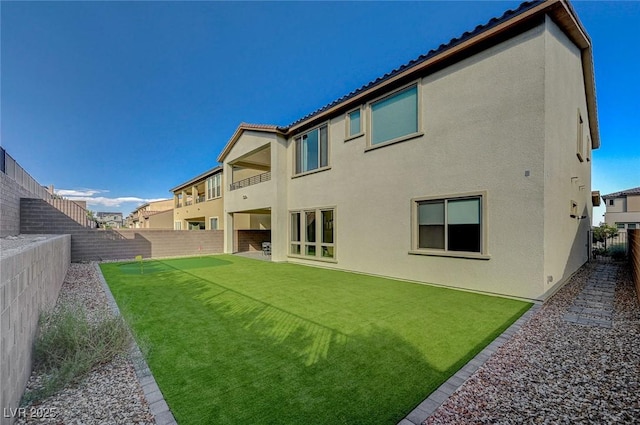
(250, 181)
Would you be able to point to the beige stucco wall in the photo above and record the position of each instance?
(161, 220)
(633, 203)
(204, 210)
(483, 124)
(502, 122)
(623, 217)
(619, 205)
(566, 178)
(270, 195)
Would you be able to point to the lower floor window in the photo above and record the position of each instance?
(177, 225)
(449, 224)
(213, 223)
(312, 233)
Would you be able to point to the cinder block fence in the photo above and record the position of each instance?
(31, 274)
(39, 217)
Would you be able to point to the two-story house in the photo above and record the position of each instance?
(623, 209)
(109, 219)
(467, 167)
(198, 202)
(152, 215)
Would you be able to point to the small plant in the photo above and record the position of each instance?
(69, 346)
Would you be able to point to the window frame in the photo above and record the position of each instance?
(216, 190)
(347, 124)
(299, 137)
(217, 223)
(318, 244)
(369, 116)
(484, 227)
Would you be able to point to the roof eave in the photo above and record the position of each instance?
(202, 176)
(559, 10)
(247, 127)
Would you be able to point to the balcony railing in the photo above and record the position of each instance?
(264, 177)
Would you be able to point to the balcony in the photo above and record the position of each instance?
(264, 177)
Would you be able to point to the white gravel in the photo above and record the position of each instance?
(554, 372)
(110, 394)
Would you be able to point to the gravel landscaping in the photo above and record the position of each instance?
(110, 394)
(556, 371)
(551, 371)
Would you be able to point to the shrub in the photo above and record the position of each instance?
(68, 346)
(618, 252)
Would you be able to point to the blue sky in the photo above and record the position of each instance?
(118, 102)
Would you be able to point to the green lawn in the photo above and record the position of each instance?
(233, 340)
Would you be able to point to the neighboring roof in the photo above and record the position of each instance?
(623, 193)
(202, 176)
(152, 202)
(266, 128)
(469, 43)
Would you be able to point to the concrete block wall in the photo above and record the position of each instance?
(37, 216)
(10, 194)
(112, 244)
(30, 279)
(634, 257)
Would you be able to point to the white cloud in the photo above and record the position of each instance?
(87, 196)
(78, 192)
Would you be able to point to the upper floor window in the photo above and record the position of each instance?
(354, 123)
(394, 116)
(312, 150)
(214, 186)
(611, 202)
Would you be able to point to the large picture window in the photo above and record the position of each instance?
(394, 116)
(312, 150)
(453, 224)
(312, 233)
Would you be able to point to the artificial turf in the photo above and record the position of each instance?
(233, 340)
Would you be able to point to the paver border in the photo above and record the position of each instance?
(451, 385)
(159, 408)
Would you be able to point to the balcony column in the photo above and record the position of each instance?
(194, 193)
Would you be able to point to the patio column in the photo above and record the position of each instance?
(228, 233)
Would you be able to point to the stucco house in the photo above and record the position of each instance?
(152, 215)
(468, 167)
(199, 205)
(623, 209)
(198, 202)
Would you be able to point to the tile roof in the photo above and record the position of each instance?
(633, 191)
(197, 178)
(509, 14)
(249, 126)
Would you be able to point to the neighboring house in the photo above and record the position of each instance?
(153, 215)
(198, 202)
(109, 219)
(623, 209)
(468, 167)
(199, 205)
